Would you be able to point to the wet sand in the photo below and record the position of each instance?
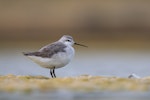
(85, 83)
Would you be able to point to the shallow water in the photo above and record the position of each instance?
(69, 95)
(104, 59)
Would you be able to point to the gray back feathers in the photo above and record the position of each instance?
(49, 50)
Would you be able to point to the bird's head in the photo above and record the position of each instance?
(68, 40)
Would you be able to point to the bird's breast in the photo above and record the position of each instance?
(62, 58)
(65, 57)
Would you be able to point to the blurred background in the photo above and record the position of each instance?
(117, 33)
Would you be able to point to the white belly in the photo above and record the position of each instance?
(57, 60)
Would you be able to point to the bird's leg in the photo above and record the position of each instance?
(51, 73)
(54, 72)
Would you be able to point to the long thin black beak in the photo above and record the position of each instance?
(80, 45)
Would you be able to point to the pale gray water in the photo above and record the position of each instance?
(69, 95)
(101, 60)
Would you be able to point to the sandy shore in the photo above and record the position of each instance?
(11, 83)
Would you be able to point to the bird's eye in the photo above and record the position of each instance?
(68, 40)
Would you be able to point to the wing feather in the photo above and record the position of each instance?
(48, 51)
